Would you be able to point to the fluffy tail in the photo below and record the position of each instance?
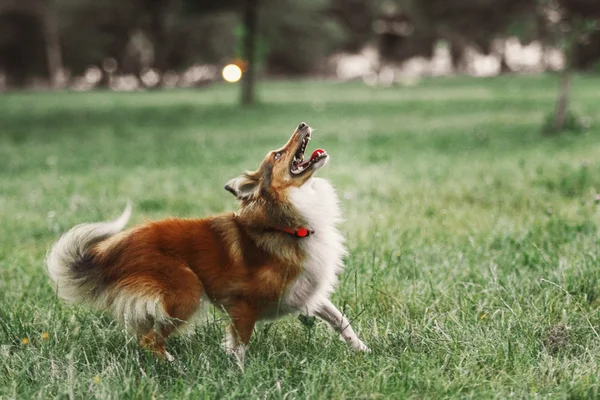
(69, 263)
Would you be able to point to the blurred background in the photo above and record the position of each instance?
(137, 44)
(464, 147)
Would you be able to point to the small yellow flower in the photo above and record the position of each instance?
(483, 316)
(25, 340)
(96, 379)
(45, 336)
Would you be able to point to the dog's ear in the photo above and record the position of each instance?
(244, 187)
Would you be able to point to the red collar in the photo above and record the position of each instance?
(298, 232)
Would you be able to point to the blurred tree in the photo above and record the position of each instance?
(158, 26)
(586, 51)
(293, 37)
(249, 10)
(355, 20)
(93, 31)
(21, 47)
(38, 36)
(250, 22)
(137, 34)
(29, 41)
(52, 39)
(570, 24)
(297, 36)
(468, 23)
(393, 27)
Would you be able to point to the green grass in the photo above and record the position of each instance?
(474, 266)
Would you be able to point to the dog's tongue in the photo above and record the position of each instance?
(317, 153)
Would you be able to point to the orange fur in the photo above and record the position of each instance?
(155, 277)
(238, 261)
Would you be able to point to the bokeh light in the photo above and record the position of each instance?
(232, 73)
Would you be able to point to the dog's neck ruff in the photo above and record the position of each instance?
(298, 232)
(317, 204)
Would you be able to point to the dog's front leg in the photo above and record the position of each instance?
(330, 314)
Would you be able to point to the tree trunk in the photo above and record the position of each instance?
(562, 103)
(504, 67)
(158, 27)
(52, 39)
(249, 45)
(563, 99)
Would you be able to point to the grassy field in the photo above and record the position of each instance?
(474, 266)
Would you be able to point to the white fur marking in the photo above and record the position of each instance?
(229, 342)
(233, 349)
(317, 202)
(135, 310)
(71, 247)
(187, 327)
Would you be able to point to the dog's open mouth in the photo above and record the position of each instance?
(298, 165)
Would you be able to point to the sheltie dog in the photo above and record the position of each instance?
(280, 253)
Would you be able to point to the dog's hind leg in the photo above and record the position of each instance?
(155, 342)
(180, 297)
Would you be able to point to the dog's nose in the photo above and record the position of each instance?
(302, 126)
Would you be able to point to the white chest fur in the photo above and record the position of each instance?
(317, 202)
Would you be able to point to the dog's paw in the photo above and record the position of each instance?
(169, 357)
(240, 356)
(360, 346)
(238, 353)
(235, 350)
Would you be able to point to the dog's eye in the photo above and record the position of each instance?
(276, 156)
